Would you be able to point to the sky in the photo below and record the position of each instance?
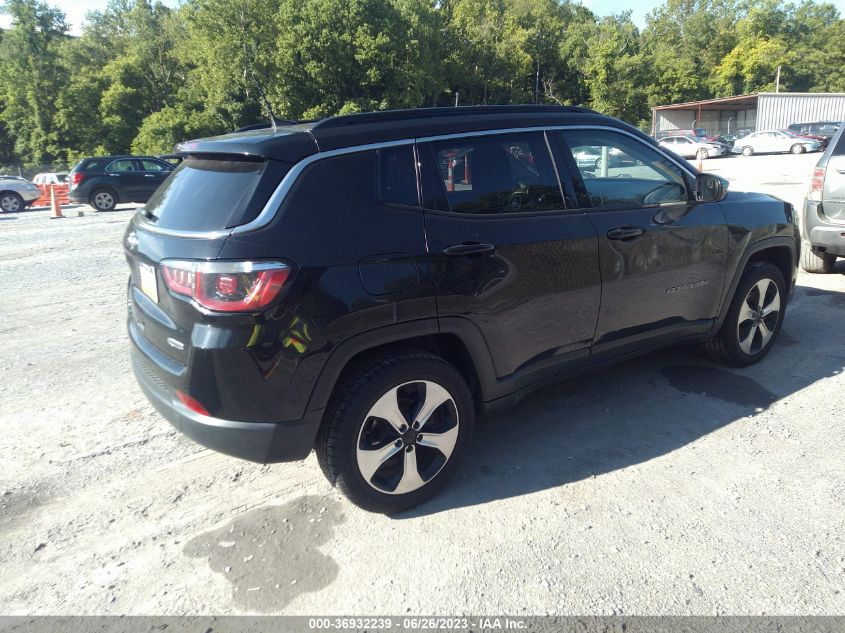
(76, 9)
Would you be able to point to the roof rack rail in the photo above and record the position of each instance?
(382, 116)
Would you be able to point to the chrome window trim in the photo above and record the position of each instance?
(268, 212)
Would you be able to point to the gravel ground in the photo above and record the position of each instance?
(665, 485)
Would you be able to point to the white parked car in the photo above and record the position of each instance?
(16, 194)
(52, 178)
(774, 141)
(693, 148)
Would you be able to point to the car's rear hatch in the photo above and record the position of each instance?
(188, 219)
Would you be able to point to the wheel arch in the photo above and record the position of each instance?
(780, 251)
(456, 340)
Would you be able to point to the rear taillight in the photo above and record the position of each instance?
(76, 178)
(226, 286)
(817, 183)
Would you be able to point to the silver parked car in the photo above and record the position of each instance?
(823, 228)
(16, 194)
(693, 148)
(774, 141)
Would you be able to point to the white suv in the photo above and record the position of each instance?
(16, 193)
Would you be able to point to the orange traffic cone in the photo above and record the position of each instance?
(54, 204)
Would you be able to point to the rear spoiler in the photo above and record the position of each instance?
(290, 145)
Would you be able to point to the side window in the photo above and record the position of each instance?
(508, 173)
(122, 165)
(154, 165)
(398, 176)
(623, 172)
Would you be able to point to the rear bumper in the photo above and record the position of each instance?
(822, 234)
(262, 442)
(77, 196)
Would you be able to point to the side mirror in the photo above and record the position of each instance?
(710, 188)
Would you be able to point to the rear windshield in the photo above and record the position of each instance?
(207, 193)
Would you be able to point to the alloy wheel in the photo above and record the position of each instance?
(758, 316)
(103, 200)
(407, 437)
(10, 204)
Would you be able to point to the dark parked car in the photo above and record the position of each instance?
(332, 286)
(699, 134)
(818, 129)
(106, 181)
(824, 210)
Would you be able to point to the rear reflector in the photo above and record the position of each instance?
(191, 403)
(226, 286)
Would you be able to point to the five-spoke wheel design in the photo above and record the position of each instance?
(754, 318)
(758, 316)
(397, 430)
(408, 436)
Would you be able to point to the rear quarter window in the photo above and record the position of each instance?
(212, 192)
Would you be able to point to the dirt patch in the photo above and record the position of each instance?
(270, 555)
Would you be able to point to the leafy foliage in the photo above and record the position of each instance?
(143, 76)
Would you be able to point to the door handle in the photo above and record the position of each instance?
(624, 233)
(468, 248)
(149, 175)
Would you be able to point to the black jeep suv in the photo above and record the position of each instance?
(106, 181)
(367, 285)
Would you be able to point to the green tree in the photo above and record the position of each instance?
(616, 69)
(32, 77)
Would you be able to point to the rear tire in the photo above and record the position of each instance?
(814, 262)
(747, 151)
(103, 200)
(797, 149)
(366, 455)
(10, 202)
(702, 154)
(754, 317)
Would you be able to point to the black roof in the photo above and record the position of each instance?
(294, 142)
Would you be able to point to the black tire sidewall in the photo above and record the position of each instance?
(754, 274)
(349, 419)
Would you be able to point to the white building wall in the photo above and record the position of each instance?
(779, 110)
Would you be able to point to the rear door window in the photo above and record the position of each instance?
(155, 165)
(123, 165)
(507, 173)
(214, 192)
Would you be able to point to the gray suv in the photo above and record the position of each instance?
(823, 229)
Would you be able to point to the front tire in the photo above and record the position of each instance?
(396, 431)
(754, 318)
(10, 202)
(747, 151)
(103, 200)
(797, 149)
(814, 262)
